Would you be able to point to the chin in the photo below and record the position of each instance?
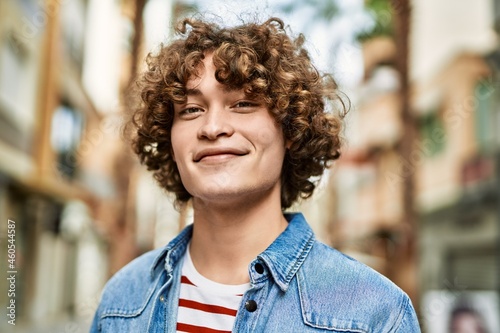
(235, 195)
(220, 195)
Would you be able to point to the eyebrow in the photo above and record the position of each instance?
(193, 92)
(197, 92)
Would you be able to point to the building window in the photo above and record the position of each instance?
(73, 15)
(432, 133)
(497, 15)
(66, 132)
(474, 267)
(487, 116)
(13, 64)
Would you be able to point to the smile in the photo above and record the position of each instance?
(218, 154)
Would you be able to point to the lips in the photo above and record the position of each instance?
(218, 152)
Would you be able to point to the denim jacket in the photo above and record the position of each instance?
(300, 285)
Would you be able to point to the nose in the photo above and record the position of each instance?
(217, 123)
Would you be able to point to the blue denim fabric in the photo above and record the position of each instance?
(306, 286)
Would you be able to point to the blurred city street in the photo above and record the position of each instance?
(415, 195)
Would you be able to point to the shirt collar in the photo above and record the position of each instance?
(283, 257)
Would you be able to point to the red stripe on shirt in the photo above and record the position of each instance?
(197, 329)
(206, 307)
(185, 280)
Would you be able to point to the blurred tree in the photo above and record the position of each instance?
(391, 18)
(381, 12)
(406, 272)
(323, 10)
(138, 23)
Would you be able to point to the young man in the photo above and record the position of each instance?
(238, 120)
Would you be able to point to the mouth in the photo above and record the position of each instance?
(218, 154)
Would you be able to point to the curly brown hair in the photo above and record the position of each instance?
(266, 62)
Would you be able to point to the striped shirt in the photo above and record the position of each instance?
(206, 306)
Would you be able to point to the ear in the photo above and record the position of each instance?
(288, 144)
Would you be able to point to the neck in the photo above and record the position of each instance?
(226, 239)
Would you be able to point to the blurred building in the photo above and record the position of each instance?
(454, 162)
(457, 103)
(67, 180)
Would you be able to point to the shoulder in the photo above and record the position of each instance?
(128, 290)
(334, 285)
(336, 265)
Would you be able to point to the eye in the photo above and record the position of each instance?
(190, 112)
(245, 104)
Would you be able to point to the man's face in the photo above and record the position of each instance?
(227, 147)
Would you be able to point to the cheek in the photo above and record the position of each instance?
(271, 137)
(267, 135)
(176, 144)
(173, 151)
(179, 157)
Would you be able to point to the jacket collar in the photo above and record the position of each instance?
(174, 251)
(283, 257)
(288, 252)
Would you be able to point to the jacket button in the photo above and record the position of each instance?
(251, 305)
(259, 268)
(162, 298)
